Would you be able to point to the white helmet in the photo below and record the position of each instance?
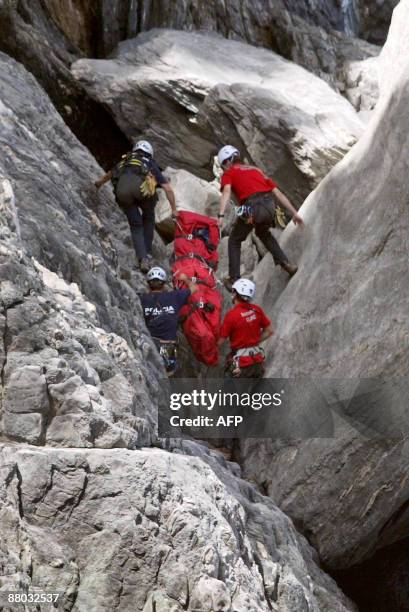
(156, 273)
(145, 146)
(245, 288)
(226, 153)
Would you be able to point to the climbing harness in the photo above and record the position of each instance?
(245, 212)
(234, 360)
(168, 350)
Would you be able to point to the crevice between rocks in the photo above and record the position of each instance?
(380, 583)
(4, 364)
(15, 472)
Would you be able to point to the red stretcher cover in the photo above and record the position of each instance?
(199, 235)
(196, 241)
(196, 269)
(201, 318)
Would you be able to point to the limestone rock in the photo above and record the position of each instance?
(361, 83)
(72, 329)
(152, 530)
(393, 59)
(206, 91)
(344, 316)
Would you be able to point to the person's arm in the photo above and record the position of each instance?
(104, 179)
(189, 284)
(170, 194)
(284, 201)
(267, 333)
(224, 200)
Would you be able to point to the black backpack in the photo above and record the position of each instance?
(133, 163)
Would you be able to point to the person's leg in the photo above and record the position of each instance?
(148, 217)
(271, 244)
(136, 226)
(256, 370)
(238, 234)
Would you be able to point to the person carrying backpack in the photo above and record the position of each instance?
(256, 210)
(136, 178)
(161, 311)
(246, 325)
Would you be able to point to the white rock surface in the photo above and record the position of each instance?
(151, 530)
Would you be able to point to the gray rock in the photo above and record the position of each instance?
(375, 19)
(300, 31)
(393, 59)
(361, 83)
(152, 530)
(67, 317)
(281, 116)
(97, 27)
(344, 316)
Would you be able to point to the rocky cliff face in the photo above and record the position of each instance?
(151, 531)
(69, 319)
(375, 19)
(357, 327)
(29, 34)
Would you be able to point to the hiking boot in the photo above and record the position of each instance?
(228, 283)
(144, 265)
(289, 268)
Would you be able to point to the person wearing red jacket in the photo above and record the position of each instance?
(246, 325)
(256, 209)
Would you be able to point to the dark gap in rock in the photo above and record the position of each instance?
(381, 583)
(97, 131)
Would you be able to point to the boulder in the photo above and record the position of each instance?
(277, 113)
(343, 316)
(152, 530)
(319, 35)
(47, 36)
